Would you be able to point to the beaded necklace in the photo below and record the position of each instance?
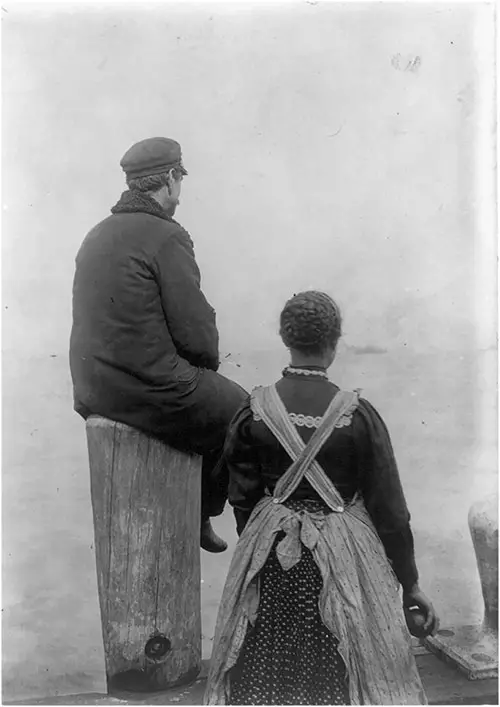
(291, 371)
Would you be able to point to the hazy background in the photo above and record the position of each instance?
(342, 147)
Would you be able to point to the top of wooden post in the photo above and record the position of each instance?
(102, 425)
(99, 421)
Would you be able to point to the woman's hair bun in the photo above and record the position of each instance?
(310, 322)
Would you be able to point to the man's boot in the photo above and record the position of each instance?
(209, 541)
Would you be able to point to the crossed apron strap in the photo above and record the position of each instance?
(269, 407)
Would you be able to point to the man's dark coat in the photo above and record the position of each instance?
(144, 342)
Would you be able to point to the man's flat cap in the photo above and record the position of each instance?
(152, 156)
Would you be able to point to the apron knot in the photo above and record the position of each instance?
(288, 550)
(299, 530)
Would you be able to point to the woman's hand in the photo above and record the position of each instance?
(416, 598)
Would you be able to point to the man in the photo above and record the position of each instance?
(144, 342)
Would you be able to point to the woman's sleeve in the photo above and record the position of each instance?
(384, 497)
(246, 486)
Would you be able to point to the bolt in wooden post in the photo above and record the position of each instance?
(146, 505)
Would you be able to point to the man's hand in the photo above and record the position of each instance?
(416, 598)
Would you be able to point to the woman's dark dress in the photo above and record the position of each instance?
(289, 657)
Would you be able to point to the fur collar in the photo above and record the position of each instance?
(133, 201)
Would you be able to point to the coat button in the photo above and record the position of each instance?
(275, 500)
(340, 509)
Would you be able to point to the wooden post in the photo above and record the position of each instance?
(146, 505)
(473, 649)
(483, 526)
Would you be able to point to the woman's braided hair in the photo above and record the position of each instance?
(310, 322)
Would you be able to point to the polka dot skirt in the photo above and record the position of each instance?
(289, 657)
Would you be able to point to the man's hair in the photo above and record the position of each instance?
(310, 322)
(154, 182)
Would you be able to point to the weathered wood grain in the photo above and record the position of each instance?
(146, 506)
(445, 685)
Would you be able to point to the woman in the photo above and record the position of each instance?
(311, 611)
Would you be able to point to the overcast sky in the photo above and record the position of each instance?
(328, 146)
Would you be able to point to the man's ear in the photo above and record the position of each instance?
(170, 179)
